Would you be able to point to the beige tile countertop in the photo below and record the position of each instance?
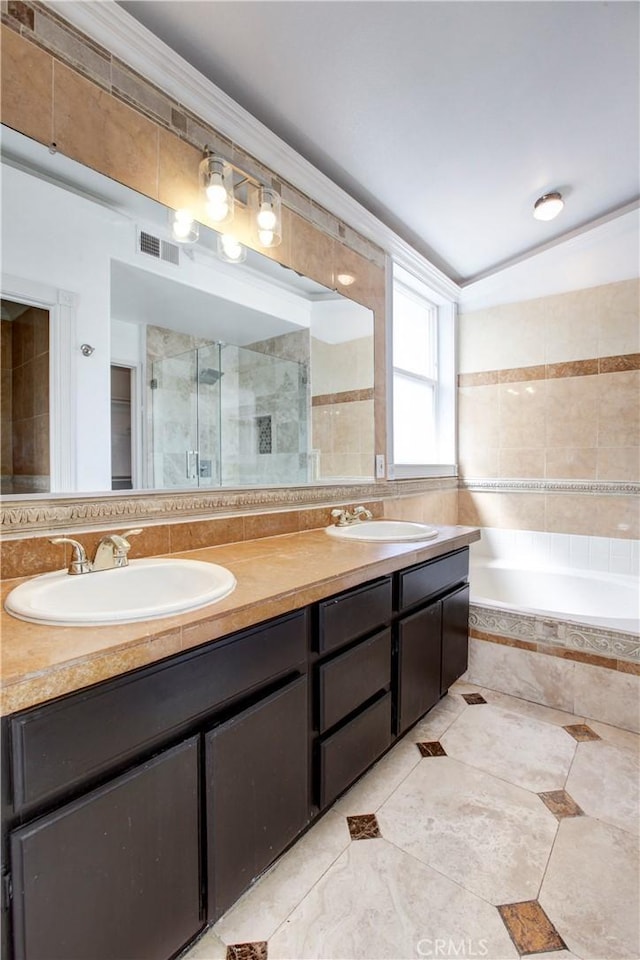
(274, 576)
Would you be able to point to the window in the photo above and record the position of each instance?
(423, 380)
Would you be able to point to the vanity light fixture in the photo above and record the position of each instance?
(216, 183)
(268, 217)
(223, 185)
(230, 249)
(184, 229)
(548, 206)
(345, 279)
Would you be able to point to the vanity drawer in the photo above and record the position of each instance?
(351, 615)
(420, 583)
(353, 677)
(348, 752)
(59, 745)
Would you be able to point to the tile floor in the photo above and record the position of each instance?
(496, 828)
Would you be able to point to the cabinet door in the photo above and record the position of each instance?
(455, 637)
(114, 874)
(418, 665)
(257, 791)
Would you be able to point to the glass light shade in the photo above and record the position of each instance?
(548, 206)
(216, 185)
(184, 229)
(230, 249)
(268, 217)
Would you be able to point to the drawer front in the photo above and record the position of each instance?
(353, 677)
(436, 576)
(59, 745)
(349, 751)
(353, 614)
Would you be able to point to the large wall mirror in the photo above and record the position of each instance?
(131, 362)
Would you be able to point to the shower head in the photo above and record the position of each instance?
(209, 375)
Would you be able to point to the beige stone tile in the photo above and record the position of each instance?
(523, 673)
(208, 947)
(521, 462)
(102, 132)
(268, 903)
(571, 463)
(27, 87)
(312, 252)
(572, 412)
(591, 889)
(605, 782)
(619, 409)
(371, 791)
(607, 695)
(178, 185)
(376, 901)
(618, 463)
(616, 735)
(524, 751)
(619, 321)
(527, 708)
(491, 837)
(518, 512)
(523, 414)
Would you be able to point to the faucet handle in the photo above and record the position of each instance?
(131, 533)
(79, 562)
(362, 513)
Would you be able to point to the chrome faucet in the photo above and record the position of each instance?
(342, 518)
(111, 552)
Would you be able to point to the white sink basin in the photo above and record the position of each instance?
(144, 590)
(383, 530)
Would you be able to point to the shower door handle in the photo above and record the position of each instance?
(192, 464)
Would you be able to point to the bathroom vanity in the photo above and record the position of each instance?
(138, 809)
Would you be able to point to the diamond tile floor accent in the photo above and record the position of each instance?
(431, 748)
(364, 826)
(486, 826)
(581, 732)
(561, 804)
(530, 928)
(473, 698)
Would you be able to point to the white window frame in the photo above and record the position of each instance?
(445, 462)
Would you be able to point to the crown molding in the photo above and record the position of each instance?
(117, 31)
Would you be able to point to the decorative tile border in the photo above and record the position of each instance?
(610, 488)
(346, 396)
(35, 514)
(552, 371)
(616, 649)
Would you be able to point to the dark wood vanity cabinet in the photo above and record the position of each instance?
(137, 811)
(124, 804)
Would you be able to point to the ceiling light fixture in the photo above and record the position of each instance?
(346, 279)
(548, 206)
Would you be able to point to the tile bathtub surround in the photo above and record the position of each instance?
(591, 691)
(455, 837)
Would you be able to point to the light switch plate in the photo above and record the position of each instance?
(379, 466)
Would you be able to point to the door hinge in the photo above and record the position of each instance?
(7, 891)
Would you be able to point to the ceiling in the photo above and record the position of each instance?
(445, 119)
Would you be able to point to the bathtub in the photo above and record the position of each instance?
(609, 600)
(574, 591)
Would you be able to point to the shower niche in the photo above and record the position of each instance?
(224, 415)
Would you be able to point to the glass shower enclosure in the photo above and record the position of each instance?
(222, 415)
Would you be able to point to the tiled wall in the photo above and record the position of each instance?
(342, 407)
(549, 390)
(25, 405)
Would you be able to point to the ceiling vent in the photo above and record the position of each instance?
(158, 248)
